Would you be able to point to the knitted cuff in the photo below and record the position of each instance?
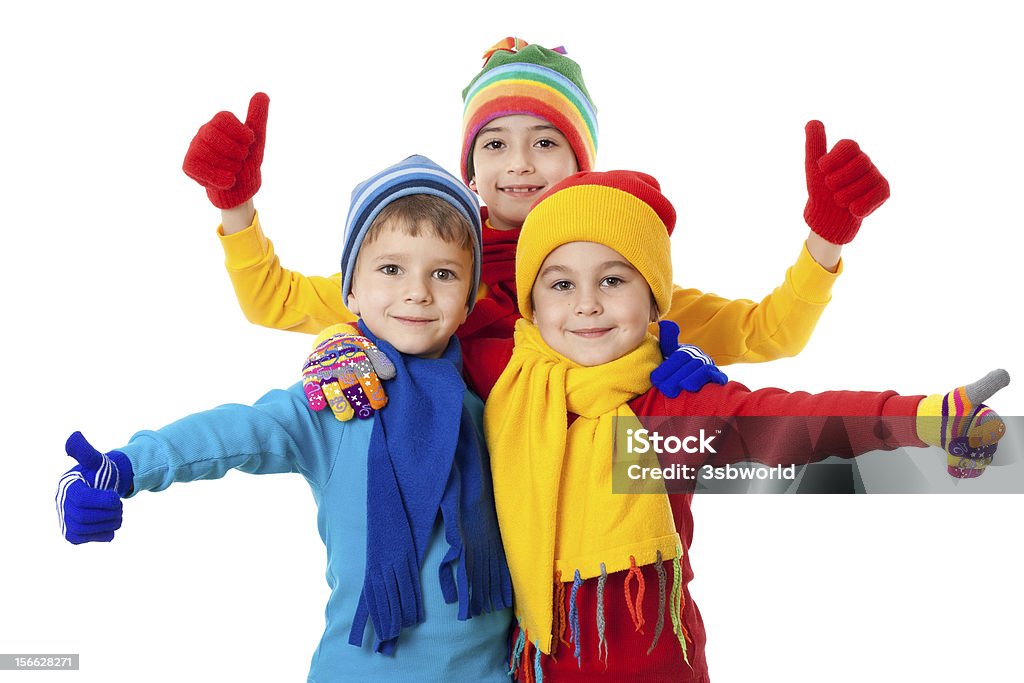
(244, 189)
(929, 427)
(897, 425)
(350, 329)
(126, 473)
(833, 223)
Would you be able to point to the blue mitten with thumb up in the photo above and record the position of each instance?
(89, 494)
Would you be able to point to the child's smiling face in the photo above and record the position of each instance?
(590, 304)
(411, 290)
(515, 159)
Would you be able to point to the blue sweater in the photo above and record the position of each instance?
(280, 434)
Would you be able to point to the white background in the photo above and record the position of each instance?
(120, 316)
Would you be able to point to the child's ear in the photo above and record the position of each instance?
(472, 184)
(352, 303)
(654, 313)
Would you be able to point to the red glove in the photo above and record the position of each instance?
(843, 186)
(225, 155)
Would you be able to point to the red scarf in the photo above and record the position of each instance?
(495, 313)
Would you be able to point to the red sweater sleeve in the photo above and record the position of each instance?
(776, 427)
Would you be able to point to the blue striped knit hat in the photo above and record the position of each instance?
(415, 175)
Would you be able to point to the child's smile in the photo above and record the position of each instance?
(590, 304)
(412, 290)
(515, 160)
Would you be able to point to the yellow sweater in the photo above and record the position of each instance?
(728, 330)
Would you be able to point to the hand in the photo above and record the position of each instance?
(685, 367)
(226, 154)
(963, 426)
(843, 186)
(89, 494)
(344, 371)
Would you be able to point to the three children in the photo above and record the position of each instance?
(597, 252)
(528, 123)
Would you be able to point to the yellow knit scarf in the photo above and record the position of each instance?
(553, 484)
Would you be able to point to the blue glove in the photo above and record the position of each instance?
(685, 367)
(89, 494)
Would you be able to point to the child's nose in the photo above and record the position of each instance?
(417, 290)
(520, 160)
(587, 303)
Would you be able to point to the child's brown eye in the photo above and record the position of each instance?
(444, 274)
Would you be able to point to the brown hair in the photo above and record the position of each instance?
(416, 213)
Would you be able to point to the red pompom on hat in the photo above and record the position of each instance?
(641, 185)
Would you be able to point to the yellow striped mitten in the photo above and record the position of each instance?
(344, 372)
(963, 426)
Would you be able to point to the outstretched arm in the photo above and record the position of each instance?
(276, 434)
(776, 427)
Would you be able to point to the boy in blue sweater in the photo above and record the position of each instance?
(404, 501)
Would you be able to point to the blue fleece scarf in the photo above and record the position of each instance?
(425, 458)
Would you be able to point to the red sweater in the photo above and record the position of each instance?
(772, 442)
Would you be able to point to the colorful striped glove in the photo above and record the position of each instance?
(344, 372)
(225, 155)
(89, 494)
(685, 368)
(843, 186)
(963, 426)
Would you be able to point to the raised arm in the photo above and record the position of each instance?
(843, 187)
(225, 158)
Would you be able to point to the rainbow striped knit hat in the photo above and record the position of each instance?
(413, 175)
(519, 78)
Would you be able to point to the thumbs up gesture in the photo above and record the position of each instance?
(962, 425)
(226, 154)
(843, 186)
(89, 494)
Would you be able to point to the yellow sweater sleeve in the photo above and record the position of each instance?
(742, 331)
(273, 296)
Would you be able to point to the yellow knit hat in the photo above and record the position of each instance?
(623, 210)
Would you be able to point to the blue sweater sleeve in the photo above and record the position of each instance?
(278, 433)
